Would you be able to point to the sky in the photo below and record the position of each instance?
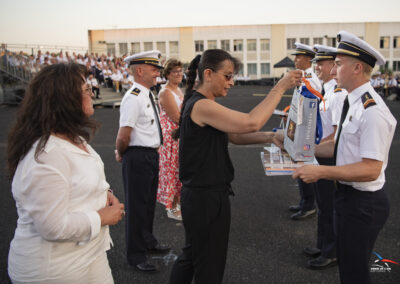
(66, 22)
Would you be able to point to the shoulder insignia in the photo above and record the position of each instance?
(337, 90)
(308, 76)
(135, 91)
(367, 100)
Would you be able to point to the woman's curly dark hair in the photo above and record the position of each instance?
(52, 105)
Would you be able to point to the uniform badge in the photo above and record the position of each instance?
(337, 90)
(308, 76)
(135, 91)
(367, 100)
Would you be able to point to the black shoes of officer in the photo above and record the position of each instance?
(294, 208)
(321, 262)
(303, 214)
(313, 252)
(146, 267)
(159, 249)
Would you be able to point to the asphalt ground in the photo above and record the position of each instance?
(265, 244)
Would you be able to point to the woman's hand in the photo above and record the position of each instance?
(113, 212)
(277, 139)
(290, 80)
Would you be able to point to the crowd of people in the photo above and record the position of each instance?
(176, 152)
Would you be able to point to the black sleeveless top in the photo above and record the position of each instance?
(203, 152)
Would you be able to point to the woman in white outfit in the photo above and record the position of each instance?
(63, 200)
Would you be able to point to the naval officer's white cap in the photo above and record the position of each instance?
(151, 57)
(303, 49)
(323, 52)
(352, 45)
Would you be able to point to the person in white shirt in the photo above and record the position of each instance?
(302, 60)
(63, 200)
(116, 77)
(361, 150)
(92, 81)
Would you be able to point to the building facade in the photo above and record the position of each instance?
(258, 47)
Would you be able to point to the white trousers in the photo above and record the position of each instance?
(97, 272)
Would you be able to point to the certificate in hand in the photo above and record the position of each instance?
(278, 163)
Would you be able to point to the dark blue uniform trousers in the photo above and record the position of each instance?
(325, 196)
(359, 216)
(140, 175)
(206, 218)
(307, 198)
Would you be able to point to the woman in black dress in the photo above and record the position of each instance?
(206, 170)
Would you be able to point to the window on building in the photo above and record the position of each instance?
(318, 40)
(123, 48)
(148, 46)
(199, 45)
(240, 72)
(265, 69)
(264, 44)
(173, 47)
(251, 69)
(225, 45)
(290, 43)
(111, 48)
(135, 47)
(396, 42)
(384, 42)
(211, 44)
(238, 45)
(396, 65)
(305, 40)
(251, 45)
(161, 47)
(331, 41)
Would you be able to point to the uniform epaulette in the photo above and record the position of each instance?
(135, 91)
(337, 90)
(367, 100)
(308, 76)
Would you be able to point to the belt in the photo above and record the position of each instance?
(348, 189)
(142, 148)
(220, 187)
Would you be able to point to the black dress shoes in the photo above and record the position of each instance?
(146, 267)
(159, 249)
(303, 214)
(321, 262)
(294, 208)
(313, 252)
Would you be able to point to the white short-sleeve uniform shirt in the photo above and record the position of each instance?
(330, 115)
(137, 112)
(367, 132)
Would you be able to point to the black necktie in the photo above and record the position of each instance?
(156, 116)
(323, 90)
(345, 109)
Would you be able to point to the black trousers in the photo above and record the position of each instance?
(325, 196)
(140, 175)
(206, 217)
(307, 197)
(359, 218)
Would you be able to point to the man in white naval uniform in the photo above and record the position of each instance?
(330, 110)
(137, 143)
(361, 148)
(302, 60)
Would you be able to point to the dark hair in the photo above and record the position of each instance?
(169, 65)
(210, 59)
(52, 104)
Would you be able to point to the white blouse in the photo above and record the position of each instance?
(57, 198)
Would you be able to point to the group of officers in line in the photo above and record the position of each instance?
(348, 183)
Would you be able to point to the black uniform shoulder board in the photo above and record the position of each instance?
(367, 100)
(135, 91)
(337, 90)
(308, 76)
